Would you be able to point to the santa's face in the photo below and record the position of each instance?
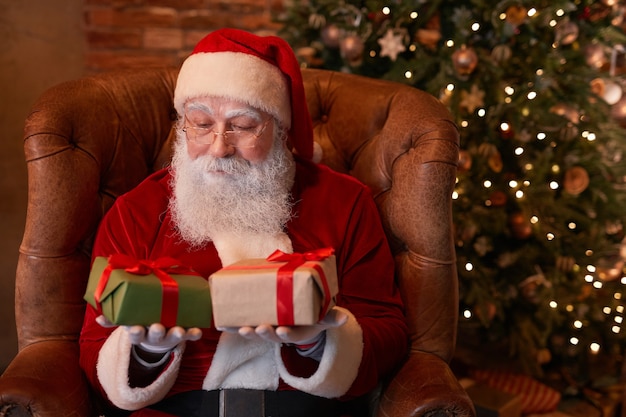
(220, 188)
(210, 117)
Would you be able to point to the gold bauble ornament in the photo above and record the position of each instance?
(351, 48)
(566, 111)
(465, 161)
(618, 110)
(610, 268)
(464, 60)
(594, 55)
(576, 180)
(516, 14)
(485, 311)
(566, 32)
(495, 162)
(331, 35)
(429, 38)
(543, 356)
(501, 53)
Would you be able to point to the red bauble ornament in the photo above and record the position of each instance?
(520, 226)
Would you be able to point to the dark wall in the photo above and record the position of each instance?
(41, 44)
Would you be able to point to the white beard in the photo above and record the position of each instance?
(251, 202)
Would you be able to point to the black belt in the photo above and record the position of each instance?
(247, 403)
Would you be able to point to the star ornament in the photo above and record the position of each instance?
(473, 99)
(391, 44)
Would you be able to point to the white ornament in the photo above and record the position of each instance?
(612, 92)
(391, 45)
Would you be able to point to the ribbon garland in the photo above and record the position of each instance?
(284, 280)
(161, 268)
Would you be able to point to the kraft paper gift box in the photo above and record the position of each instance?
(138, 292)
(282, 290)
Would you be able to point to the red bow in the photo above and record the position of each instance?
(160, 267)
(284, 280)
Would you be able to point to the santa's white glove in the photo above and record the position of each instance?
(156, 338)
(296, 335)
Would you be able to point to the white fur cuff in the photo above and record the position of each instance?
(339, 365)
(112, 368)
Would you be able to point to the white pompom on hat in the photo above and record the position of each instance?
(261, 71)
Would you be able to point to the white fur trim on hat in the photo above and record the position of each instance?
(235, 75)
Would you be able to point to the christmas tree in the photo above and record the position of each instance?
(539, 213)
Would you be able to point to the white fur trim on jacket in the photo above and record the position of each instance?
(112, 369)
(242, 363)
(339, 365)
(253, 364)
(232, 248)
(236, 75)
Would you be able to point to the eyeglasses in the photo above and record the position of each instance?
(242, 138)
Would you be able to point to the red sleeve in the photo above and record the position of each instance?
(368, 289)
(338, 211)
(119, 233)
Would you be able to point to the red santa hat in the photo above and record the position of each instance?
(260, 71)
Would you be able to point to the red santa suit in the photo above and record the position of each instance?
(331, 210)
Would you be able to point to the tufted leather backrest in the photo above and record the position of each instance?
(90, 140)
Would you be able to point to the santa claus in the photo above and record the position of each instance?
(242, 184)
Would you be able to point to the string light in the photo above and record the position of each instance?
(467, 314)
(594, 347)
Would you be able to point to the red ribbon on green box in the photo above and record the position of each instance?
(284, 280)
(161, 268)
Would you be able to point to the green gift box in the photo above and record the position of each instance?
(138, 292)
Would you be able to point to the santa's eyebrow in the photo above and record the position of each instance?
(249, 112)
(244, 111)
(200, 106)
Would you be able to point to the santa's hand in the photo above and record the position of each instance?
(297, 335)
(158, 339)
(104, 322)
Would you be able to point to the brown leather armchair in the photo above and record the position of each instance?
(90, 140)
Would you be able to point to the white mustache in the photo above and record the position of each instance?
(236, 166)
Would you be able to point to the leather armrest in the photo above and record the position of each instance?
(425, 386)
(45, 379)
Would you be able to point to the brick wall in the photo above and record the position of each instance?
(144, 33)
